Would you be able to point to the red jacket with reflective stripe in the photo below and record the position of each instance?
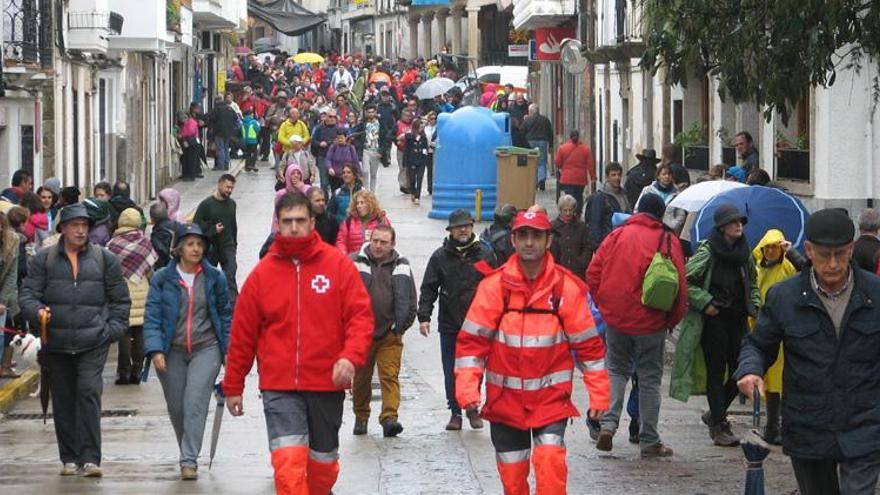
(527, 356)
(298, 319)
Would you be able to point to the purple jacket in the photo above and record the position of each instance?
(338, 156)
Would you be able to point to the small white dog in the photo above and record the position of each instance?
(24, 350)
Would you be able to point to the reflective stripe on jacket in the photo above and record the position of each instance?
(526, 351)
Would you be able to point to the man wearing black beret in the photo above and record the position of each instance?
(828, 317)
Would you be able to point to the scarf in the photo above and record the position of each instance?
(297, 248)
(135, 254)
(461, 247)
(666, 190)
(736, 254)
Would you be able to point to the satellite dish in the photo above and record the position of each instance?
(572, 59)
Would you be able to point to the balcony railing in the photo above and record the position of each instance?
(27, 31)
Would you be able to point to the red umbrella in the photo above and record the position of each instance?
(380, 77)
(243, 50)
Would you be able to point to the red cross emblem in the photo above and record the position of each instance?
(321, 284)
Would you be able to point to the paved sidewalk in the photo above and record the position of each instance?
(140, 455)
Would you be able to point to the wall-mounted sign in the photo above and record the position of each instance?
(549, 42)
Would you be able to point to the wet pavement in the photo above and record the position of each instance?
(140, 455)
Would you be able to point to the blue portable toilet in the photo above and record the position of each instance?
(464, 160)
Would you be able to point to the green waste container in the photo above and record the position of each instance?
(517, 176)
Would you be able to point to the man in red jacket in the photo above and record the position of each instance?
(635, 333)
(306, 316)
(576, 167)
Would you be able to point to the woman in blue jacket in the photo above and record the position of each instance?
(186, 331)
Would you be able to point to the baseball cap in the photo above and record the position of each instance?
(531, 220)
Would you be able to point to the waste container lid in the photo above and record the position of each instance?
(514, 150)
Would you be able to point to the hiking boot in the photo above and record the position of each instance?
(604, 442)
(134, 379)
(91, 470)
(594, 427)
(122, 380)
(474, 418)
(658, 450)
(707, 418)
(772, 435)
(69, 469)
(360, 427)
(188, 473)
(723, 436)
(634, 431)
(454, 423)
(391, 428)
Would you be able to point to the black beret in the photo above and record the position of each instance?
(830, 227)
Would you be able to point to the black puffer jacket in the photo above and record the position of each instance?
(87, 312)
(831, 404)
(451, 273)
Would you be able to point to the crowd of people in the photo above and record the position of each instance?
(520, 305)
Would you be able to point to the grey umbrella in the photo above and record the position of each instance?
(218, 418)
(434, 87)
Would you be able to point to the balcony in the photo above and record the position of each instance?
(531, 14)
(27, 39)
(211, 14)
(620, 35)
(90, 31)
(358, 9)
(146, 29)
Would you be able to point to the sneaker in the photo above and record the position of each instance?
(604, 443)
(454, 423)
(91, 470)
(69, 469)
(658, 450)
(360, 427)
(706, 418)
(634, 431)
(391, 428)
(134, 379)
(723, 435)
(772, 435)
(594, 428)
(188, 473)
(474, 418)
(122, 380)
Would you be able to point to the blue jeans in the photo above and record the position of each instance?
(221, 153)
(542, 146)
(447, 355)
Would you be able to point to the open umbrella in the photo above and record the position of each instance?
(265, 45)
(755, 450)
(44, 369)
(766, 208)
(434, 87)
(243, 50)
(380, 77)
(218, 418)
(308, 58)
(694, 197)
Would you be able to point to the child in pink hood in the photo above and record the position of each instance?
(293, 181)
(171, 198)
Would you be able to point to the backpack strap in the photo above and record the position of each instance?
(555, 302)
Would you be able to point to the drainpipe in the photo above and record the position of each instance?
(869, 158)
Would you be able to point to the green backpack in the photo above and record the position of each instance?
(660, 285)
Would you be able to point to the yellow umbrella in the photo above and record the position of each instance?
(308, 58)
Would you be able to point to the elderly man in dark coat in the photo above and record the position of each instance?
(828, 319)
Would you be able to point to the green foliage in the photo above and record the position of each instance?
(761, 51)
(694, 136)
(724, 136)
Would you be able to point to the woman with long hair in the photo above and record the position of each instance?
(38, 219)
(364, 214)
(341, 201)
(186, 332)
(9, 253)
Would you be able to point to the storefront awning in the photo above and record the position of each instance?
(430, 2)
(286, 16)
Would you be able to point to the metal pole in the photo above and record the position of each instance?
(478, 203)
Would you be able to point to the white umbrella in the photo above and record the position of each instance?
(434, 87)
(694, 197)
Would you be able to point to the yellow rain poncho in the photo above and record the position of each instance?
(768, 276)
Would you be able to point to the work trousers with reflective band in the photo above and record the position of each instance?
(303, 432)
(513, 448)
(384, 353)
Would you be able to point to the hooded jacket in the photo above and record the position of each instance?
(302, 308)
(768, 276)
(339, 205)
(617, 271)
(391, 279)
(525, 350)
(288, 187)
(171, 198)
(451, 274)
(575, 162)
